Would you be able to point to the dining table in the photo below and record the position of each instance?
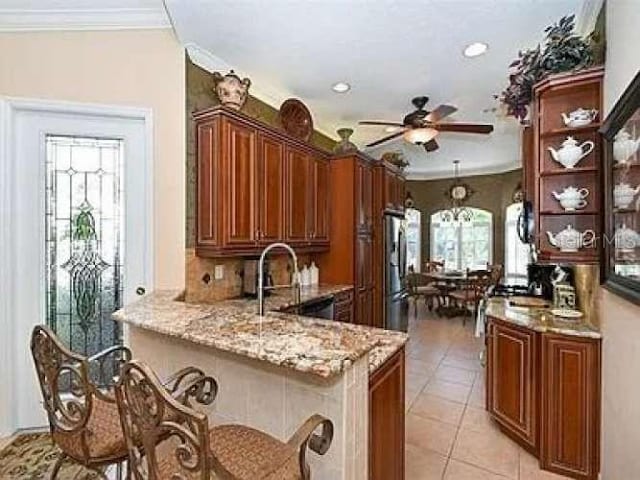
(447, 281)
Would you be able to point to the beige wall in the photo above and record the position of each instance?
(620, 319)
(134, 68)
(492, 192)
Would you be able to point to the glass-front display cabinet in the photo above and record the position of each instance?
(621, 240)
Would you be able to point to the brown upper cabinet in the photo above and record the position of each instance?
(256, 185)
(394, 188)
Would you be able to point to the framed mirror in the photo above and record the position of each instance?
(621, 241)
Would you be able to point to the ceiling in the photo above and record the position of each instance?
(388, 50)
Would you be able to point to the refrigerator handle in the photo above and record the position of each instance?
(402, 255)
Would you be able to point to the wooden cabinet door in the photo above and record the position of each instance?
(399, 192)
(364, 196)
(271, 173)
(299, 180)
(364, 304)
(240, 173)
(512, 380)
(320, 201)
(387, 420)
(208, 171)
(389, 189)
(528, 163)
(570, 430)
(364, 262)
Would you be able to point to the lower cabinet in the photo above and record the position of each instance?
(343, 307)
(386, 420)
(543, 390)
(511, 397)
(570, 428)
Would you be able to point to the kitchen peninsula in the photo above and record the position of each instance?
(276, 370)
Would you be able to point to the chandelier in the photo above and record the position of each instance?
(457, 194)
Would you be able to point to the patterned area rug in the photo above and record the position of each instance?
(32, 456)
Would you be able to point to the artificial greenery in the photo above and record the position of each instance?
(562, 51)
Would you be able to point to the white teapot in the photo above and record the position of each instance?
(623, 195)
(626, 239)
(624, 146)
(572, 198)
(570, 240)
(571, 153)
(579, 117)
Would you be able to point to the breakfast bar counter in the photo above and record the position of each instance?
(274, 371)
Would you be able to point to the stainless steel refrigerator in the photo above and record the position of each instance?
(396, 307)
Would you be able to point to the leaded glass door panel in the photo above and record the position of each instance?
(84, 242)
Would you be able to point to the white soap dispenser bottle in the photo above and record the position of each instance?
(314, 273)
(305, 279)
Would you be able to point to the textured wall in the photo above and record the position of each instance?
(492, 192)
(620, 319)
(200, 95)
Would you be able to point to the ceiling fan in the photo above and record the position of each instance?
(421, 126)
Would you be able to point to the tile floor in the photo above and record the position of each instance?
(449, 436)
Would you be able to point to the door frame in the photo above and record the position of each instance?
(9, 108)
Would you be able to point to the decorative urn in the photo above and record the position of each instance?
(571, 153)
(571, 240)
(626, 239)
(579, 118)
(345, 145)
(231, 90)
(623, 195)
(572, 198)
(624, 146)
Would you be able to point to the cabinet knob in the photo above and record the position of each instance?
(140, 291)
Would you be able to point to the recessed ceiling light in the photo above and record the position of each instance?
(475, 49)
(341, 87)
(391, 129)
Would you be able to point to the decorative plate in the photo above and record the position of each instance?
(566, 313)
(296, 119)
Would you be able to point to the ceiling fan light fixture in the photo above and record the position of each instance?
(475, 49)
(341, 87)
(420, 136)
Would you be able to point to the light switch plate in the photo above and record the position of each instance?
(219, 272)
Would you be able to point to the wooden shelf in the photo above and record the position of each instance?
(568, 171)
(575, 212)
(569, 131)
(620, 166)
(624, 211)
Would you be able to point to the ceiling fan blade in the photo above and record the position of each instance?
(385, 139)
(431, 146)
(463, 127)
(440, 112)
(373, 122)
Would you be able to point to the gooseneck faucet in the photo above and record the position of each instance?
(295, 285)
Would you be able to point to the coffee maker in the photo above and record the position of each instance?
(250, 278)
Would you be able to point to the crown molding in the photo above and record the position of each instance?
(29, 20)
(587, 17)
(467, 172)
(271, 96)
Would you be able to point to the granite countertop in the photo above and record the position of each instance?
(316, 346)
(540, 319)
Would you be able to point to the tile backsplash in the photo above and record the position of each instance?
(202, 287)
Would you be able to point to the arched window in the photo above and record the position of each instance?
(463, 244)
(516, 253)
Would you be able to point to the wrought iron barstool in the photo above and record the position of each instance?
(83, 417)
(186, 448)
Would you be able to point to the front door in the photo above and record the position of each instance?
(80, 243)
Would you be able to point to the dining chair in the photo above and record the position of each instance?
(419, 286)
(83, 416)
(495, 271)
(188, 449)
(471, 291)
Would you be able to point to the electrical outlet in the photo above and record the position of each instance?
(219, 272)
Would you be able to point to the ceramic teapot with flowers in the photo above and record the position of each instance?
(623, 194)
(626, 239)
(572, 198)
(579, 118)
